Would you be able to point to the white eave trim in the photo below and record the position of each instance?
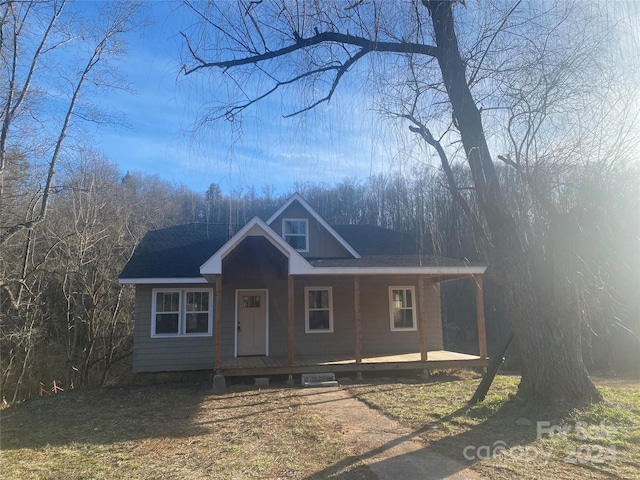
(148, 281)
(308, 269)
(432, 270)
(254, 228)
(302, 201)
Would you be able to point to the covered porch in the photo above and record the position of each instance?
(358, 359)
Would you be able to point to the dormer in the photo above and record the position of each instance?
(306, 231)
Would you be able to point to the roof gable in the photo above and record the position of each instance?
(255, 227)
(296, 197)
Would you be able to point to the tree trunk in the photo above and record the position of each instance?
(537, 288)
(547, 319)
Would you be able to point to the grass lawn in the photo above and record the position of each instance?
(167, 432)
(186, 431)
(605, 445)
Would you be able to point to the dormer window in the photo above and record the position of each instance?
(295, 232)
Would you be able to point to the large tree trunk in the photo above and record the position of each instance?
(537, 288)
(545, 315)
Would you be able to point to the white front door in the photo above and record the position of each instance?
(252, 322)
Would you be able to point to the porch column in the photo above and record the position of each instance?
(482, 334)
(218, 322)
(290, 320)
(422, 319)
(358, 323)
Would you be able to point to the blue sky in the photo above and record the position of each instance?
(341, 139)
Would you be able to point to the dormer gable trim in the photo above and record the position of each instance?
(254, 228)
(297, 197)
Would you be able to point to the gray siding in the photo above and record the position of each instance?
(322, 244)
(166, 354)
(197, 353)
(377, 336)
(342, 339)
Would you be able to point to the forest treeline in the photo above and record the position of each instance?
(66, 318)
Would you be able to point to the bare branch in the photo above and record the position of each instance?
(327, 37)
(238, 108)
(493, 37)
(426, 135)
(507, 159)
(9, 294)
(341, 71)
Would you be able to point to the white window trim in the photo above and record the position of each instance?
(306, 309)
(182, 314)
(306, 236)
(413, 309)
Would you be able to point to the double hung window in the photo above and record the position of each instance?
(296, 233)
(318, 305)
(402, 310)
(177, 312)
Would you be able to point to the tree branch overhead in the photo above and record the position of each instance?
(365, 44)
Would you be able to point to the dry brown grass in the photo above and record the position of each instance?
(186, 431)
(438, 410)
(169, 432)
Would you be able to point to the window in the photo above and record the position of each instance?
(197, 313)
(318, 310)
(167, 312)
(251, 301)
(181, 312)
(296, 233)
(402, 308)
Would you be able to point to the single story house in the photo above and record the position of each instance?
(289, 295)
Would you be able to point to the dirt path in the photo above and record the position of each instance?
(391, 450)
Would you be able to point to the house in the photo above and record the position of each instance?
(291, 295)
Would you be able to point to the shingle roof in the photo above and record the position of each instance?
(372, 240)
(179, 251)
(175, 252)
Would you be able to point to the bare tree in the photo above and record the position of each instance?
(28, 53)
(53, 59)
(90, 227)
(454, 69)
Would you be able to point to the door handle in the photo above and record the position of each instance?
(239, 329)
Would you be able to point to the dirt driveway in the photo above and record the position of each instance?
(389, 449)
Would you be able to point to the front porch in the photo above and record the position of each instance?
(279, 365)
(376, 354)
